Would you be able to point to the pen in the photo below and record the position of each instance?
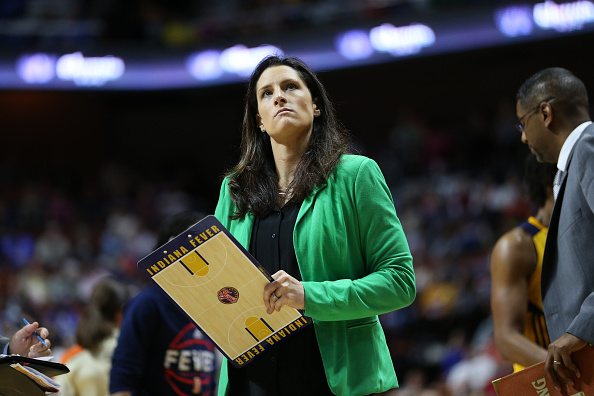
(36, 334)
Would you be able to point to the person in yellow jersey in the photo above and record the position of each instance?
(516, 260)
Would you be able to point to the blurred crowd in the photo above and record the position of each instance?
(179, 23)
(56, 243)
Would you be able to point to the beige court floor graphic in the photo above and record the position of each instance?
(220, 289)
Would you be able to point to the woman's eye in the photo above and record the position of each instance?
(291, 86)
(266, 93)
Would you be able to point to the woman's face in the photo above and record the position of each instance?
(286, 109)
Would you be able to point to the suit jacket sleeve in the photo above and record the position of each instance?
(3, 343)
(583, 324)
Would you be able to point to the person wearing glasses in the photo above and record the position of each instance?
(516, 260)
(323, 223)
(553, 112)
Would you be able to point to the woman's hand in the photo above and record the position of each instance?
(284, 290)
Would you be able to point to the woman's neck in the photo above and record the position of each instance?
(286, 172)
(286, 161)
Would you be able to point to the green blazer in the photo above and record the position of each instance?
(355, 264)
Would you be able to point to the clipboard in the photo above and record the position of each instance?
(215, 281)
(15, 383)
(534, 381)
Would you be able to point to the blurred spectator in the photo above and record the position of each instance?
(97, 332)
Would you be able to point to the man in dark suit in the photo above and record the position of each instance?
(25, 343)
(553, 113)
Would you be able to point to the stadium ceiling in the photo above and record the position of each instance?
(325, 49)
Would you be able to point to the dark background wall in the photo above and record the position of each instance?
(192, 136)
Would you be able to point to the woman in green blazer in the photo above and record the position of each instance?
(324, 223)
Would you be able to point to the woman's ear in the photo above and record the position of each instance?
(317, 111)
(260, 123)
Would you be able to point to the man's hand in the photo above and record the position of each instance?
(25, 343)
(558, 364)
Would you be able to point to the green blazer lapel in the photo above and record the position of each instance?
(307, 204)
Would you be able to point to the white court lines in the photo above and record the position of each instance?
(177, 264)
(260, 310)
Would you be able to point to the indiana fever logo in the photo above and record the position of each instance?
(228, 295)
(189, 363)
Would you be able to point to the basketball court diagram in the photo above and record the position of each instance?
(219, 286)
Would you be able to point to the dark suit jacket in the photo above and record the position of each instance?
(567, 281)
(3, 342)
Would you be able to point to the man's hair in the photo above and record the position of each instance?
(538, 177)
(571, 96)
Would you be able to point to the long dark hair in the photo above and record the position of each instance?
(100, 315)
(253, 182)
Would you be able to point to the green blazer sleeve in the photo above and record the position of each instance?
(352, 251)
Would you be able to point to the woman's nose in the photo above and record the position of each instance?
(280, 98)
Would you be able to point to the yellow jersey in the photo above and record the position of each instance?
(535, 328)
